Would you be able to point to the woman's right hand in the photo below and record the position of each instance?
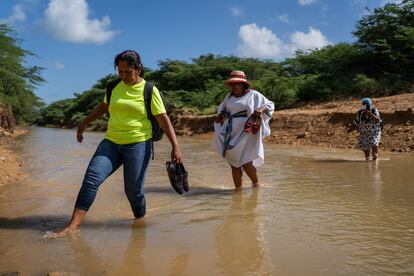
(79, 133)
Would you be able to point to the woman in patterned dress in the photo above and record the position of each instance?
(369, 124)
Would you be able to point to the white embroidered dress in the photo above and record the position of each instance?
(237, 146)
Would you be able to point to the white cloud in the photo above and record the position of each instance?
(236, 11)
(307, 2)
(371, 4)
(18, 16)
(58, 65)
(311, 40)
(259, 42)
(263, 43)
(284, 18)
(391, 2)
(69, 20)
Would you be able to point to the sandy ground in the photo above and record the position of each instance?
(10, 163)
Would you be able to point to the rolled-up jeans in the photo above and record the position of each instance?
(106, 160)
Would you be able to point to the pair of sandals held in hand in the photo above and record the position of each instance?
(178, 176)
(253, 123)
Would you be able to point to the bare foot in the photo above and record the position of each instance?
(236, 189)
(67, 231)
(255, 185)
(139, 223)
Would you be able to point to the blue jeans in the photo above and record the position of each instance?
(106, 160)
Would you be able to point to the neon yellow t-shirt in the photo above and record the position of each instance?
(128, 122)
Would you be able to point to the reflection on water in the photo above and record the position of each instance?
(239, 240)
(319, 212)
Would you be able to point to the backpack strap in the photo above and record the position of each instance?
(148, 88)
(148, 98)
(109, 89)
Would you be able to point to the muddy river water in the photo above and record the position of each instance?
(318, 212)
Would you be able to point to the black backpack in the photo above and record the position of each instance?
(157, 131)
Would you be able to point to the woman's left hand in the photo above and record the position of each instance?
(177, 155)
(219, 118)
(79, 133)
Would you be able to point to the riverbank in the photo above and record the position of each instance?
(326, 124)
(11, 164)
(321, 125)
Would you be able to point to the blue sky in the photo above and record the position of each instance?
(76, 40)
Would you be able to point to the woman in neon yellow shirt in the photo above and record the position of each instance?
(127, 141)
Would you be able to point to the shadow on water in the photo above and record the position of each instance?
(193, 191)
(43, 223)
(339, 161)
(209, 191)
(48, 222)
(161, 190)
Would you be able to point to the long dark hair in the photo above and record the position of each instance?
(132, 58)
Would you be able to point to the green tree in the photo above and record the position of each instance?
(56, 113)
(328, 72)
(17, 81)
(388, 35)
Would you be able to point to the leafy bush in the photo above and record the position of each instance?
(365, 86)
(313, 88)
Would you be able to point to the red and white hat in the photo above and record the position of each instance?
(237, 77)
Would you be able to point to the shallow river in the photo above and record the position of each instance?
(318, 212)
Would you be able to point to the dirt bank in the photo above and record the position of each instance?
(325, 124)
(321, 125)
(11, 166)
(10, 163)
(7, 120)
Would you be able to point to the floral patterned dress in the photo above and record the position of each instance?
(369, 131)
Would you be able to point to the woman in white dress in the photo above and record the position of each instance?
(241, 123)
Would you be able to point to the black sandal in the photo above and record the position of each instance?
(185, 177)
(178, 176)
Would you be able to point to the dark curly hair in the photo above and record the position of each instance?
(132, 58)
